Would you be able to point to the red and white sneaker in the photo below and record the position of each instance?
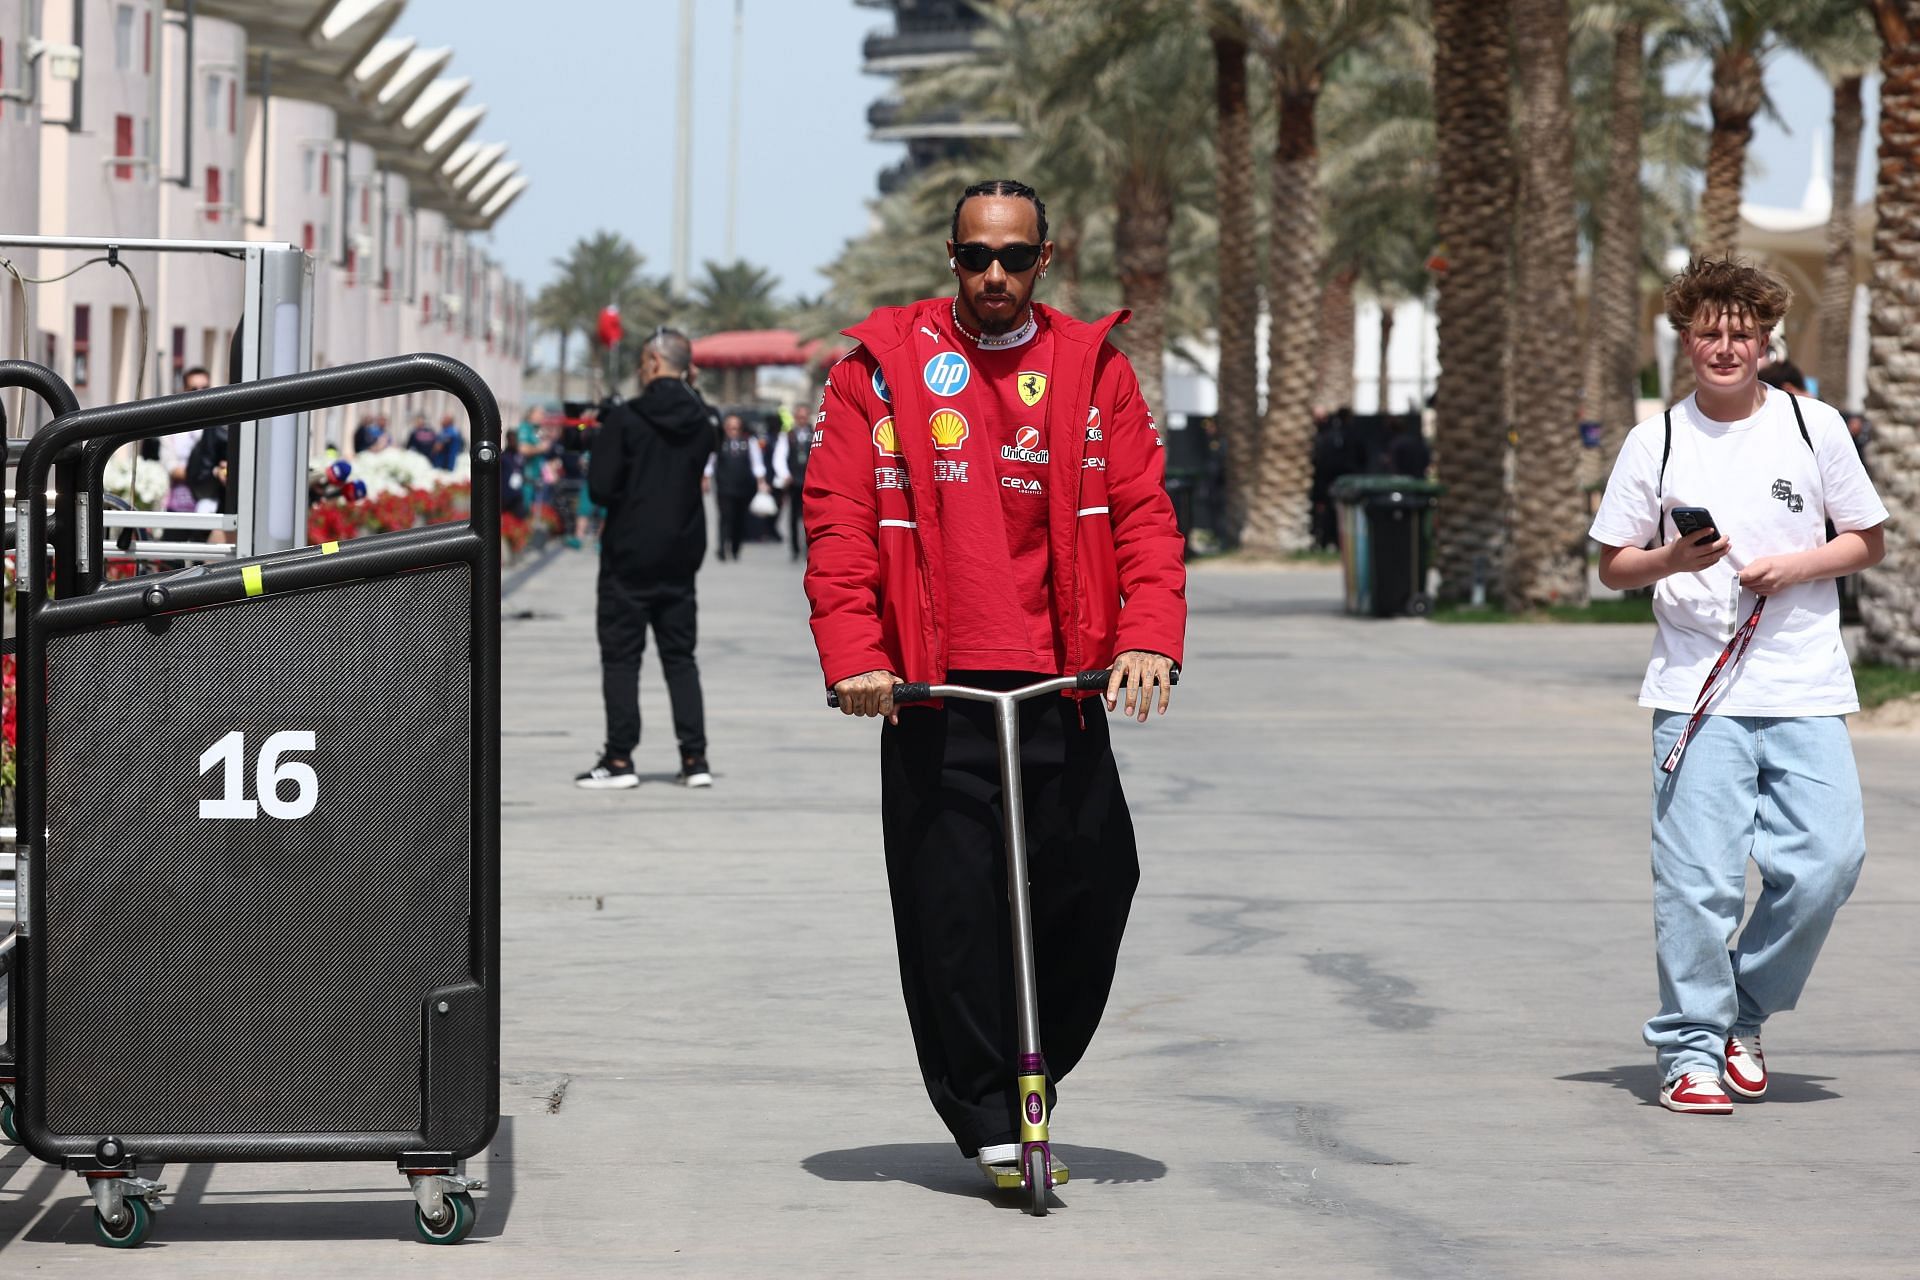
(1746, 1066)
(1696, 1091)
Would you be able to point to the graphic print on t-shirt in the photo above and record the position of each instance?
(1032, 385)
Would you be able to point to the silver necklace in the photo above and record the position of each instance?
(1012, 339)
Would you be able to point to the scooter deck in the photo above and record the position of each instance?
(1007, 1177)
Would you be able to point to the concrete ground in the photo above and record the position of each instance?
(1378, 1012)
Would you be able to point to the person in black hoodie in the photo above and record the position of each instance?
(646, 469)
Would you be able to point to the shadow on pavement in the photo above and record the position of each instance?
(939, 1166)
(1643, 1081)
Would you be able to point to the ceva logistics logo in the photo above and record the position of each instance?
(947, 374)
(949, 428)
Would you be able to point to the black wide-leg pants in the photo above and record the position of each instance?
(946, 867)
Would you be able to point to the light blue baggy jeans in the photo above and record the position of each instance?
(1783, 791)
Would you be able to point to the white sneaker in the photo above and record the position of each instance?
(1746, 1066)
(1005, 1155)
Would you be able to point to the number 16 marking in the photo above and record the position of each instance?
(269, 773)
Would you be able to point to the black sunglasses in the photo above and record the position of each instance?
(1014, 257)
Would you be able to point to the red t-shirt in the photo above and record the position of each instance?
(990, 476)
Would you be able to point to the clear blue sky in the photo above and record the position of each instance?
(583, 92)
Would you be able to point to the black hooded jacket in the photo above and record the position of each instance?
(645, 469)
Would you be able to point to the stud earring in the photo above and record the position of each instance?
(952, 264)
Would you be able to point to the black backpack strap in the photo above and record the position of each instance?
(1660, 482)
(1800, 418)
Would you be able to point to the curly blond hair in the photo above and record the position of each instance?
(1710, 287)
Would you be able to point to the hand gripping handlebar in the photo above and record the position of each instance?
(922, 690)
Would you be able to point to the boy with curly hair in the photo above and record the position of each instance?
(1749, 683)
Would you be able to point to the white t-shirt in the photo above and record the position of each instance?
(1770, 494)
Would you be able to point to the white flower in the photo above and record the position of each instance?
(393, 471)
(141, 481)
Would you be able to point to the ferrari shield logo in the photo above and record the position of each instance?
(1032, 387)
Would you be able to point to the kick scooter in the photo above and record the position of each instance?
(1038, 1170)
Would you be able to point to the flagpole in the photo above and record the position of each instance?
(683, 158)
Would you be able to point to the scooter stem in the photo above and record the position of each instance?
(1006, 715)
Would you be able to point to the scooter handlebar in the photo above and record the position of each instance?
(921, 690)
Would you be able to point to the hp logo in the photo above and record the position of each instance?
(948, 373)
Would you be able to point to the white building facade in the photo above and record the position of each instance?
(282, 121)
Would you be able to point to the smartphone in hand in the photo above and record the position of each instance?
(1688, 521)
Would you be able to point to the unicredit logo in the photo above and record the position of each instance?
(1025, 447)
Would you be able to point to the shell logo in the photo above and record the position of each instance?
(949, 427)
(1027, 438)
(884, 439)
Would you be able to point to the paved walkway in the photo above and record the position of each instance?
(1377, 1014)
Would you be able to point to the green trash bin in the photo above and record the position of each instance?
(1386, 527)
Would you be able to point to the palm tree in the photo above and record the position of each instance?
(1548, 550)
(1302, 40)
(1739, 38)
(1378, 180)
(1238, 371)
(1836, 279)
(1474, 202)
(1638, 144)
(557, 312)
(1613, 290)
(1844, 55)
(737, 295)
(1890, 594)
(1333, 340)
(604, 269)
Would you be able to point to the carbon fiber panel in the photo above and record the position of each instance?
(263, 975)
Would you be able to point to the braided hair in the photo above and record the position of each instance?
(1001, 187)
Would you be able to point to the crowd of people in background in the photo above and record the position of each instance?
(755, 476)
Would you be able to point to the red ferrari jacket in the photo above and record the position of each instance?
(876, 557)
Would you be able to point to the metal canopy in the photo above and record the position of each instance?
(386, 91)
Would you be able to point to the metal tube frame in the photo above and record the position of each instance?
(275, 400)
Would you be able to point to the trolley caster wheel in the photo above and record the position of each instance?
(456, 1226)
(8, 1126)
(1039, 1183)
(133, 1228)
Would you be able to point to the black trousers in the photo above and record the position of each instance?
(733, 523)
(626, 609)
(946, 867)
(796, 522)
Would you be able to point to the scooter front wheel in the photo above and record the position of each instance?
(1039, 1181)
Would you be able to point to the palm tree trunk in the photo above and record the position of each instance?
(1737, 94)
(1333, 345)
(1385, 404)
(1474, 195)
(1549, 538)
(1238, 372)
(564, 334)
(1613, 301)
(1278, 518)
(1890, 594)
(1836, 281)
(1142, 251)
(1066, 264)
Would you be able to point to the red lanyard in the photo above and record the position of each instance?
(1735, 647)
